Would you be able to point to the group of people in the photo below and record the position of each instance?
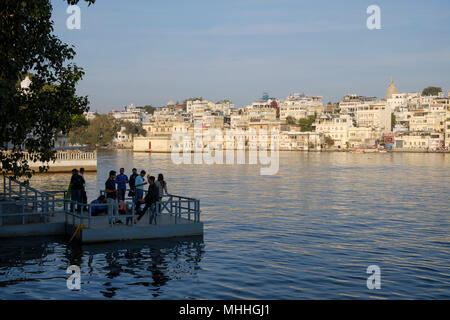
(115, 192)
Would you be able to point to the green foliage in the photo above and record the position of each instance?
(290, 120)
(306, 124)
(149, 109)
(79, 120)
(100, 131)
(431, 91)
(133, 128)
(31, 118)
(393, 120)
(329, 141)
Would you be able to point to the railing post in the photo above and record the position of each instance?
(158, 203)
(23, 214)
(89, 214)
(197, 210)
(132, 217)
(179, 211)
(189, 210)
(35, 203)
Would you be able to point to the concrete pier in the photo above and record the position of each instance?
(25, 211)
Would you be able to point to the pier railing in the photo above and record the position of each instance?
(22, 204)
(16, 196)
(172, 205)
(178, 206)
(67, 155)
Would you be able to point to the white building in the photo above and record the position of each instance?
(131, 113)
(335, 127)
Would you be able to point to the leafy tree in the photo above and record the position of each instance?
(290, 120)
(79, 120)
(393, 120)
(149, 109)
(328, 141)
(100, 131)
(32, 117)
(431, 91)
(306, 124)
(133, 128)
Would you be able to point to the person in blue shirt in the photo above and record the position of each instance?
(121, 180)
(98, 210)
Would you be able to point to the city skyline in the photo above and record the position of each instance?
(151, 53)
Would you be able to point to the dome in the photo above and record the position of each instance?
(170, 103)
(391, 90)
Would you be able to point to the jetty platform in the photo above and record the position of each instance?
(25, 211)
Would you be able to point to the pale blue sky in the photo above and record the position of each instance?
(150, 52)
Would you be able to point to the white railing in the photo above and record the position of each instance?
(64, 155)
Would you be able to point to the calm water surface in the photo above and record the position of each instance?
(309, 232)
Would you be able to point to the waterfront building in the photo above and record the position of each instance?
(363, 136)
(419, 141)
(447, 134)
(336, 127)
(297, 140)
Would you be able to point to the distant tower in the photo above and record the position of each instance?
(392, 89)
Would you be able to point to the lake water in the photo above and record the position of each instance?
(309, 232)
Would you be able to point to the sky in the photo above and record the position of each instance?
(150, 52)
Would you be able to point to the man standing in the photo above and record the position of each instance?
(83, 191)
(76, 183)
(139, 184)
(111, 197)
(121, 181)
(150, 201)
(132, 183)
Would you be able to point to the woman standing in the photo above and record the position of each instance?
(162, 186)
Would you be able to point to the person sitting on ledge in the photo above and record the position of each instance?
(98, 210)
(150, 201)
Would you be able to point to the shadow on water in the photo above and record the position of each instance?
(106, 268)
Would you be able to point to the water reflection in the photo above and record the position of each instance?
(309, 232)
(107, 269)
